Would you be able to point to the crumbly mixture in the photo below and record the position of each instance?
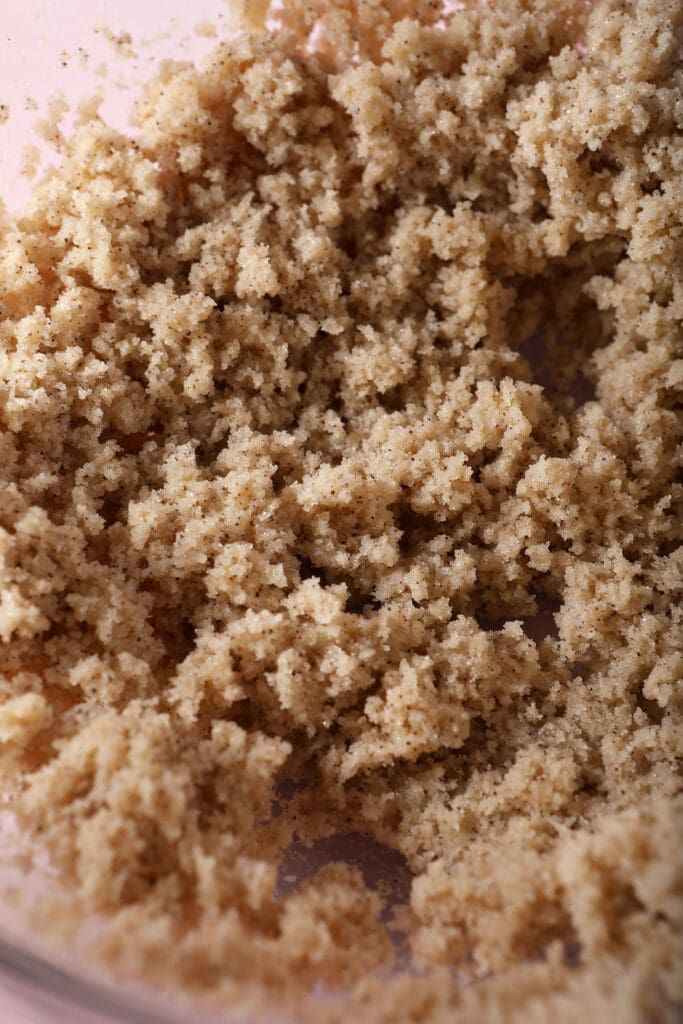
(340, 424)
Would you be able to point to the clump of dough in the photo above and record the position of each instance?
(340, 426)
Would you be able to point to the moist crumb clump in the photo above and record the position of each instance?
(340, 434)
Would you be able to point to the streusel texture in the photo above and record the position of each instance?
(340, 424)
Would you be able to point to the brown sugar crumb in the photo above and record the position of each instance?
(205, 28)
(4, 113)
(340, 451)
(121, 43)
(31, 157)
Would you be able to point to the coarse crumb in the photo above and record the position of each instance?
(341, 427)
(4, 113)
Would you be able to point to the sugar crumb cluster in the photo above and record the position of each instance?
(340, 434)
